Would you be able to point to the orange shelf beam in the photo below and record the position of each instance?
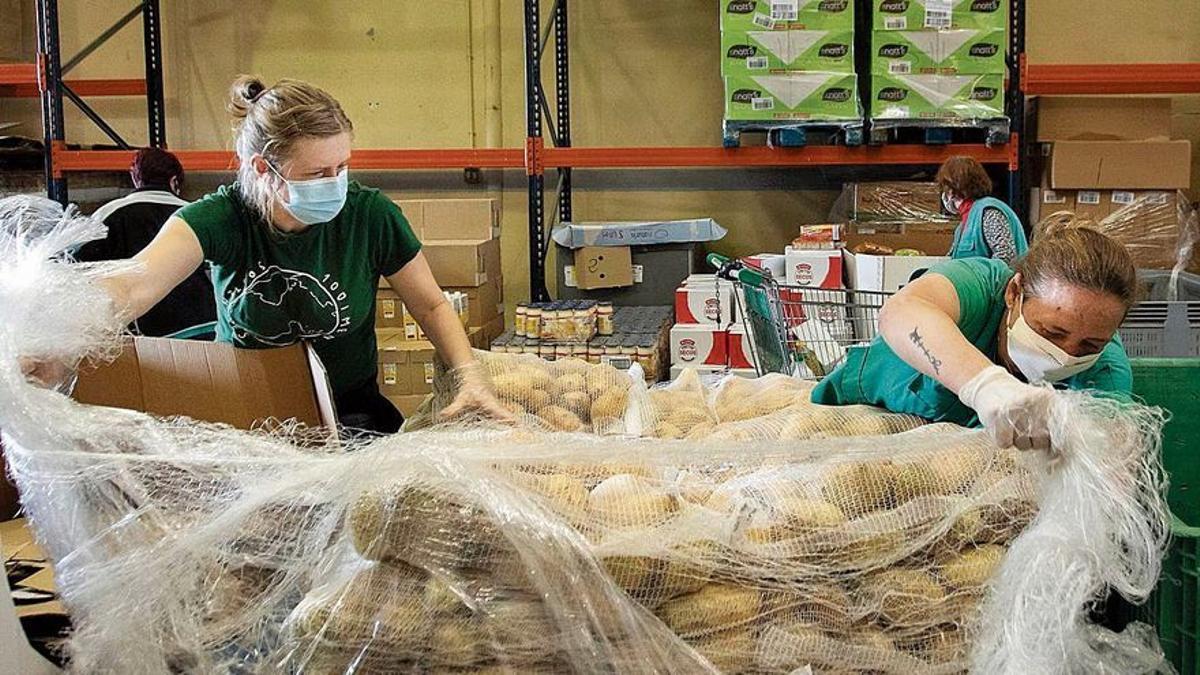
(18, 73)
(20, 80)
(596, 158)
(761, 156)
(1116, 79)
(222, 160)
(85, 88)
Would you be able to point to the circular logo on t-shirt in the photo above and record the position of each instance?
(278, 307)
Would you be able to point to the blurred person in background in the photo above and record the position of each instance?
(987, 227)
(133, 222)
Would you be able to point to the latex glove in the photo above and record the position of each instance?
(48, 373)
(475, 396)
(1014, 413)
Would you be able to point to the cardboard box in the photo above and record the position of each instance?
(700, 345)
(484, 303)
(463, 262)
(927, 97)
(935, 242)
(1094, 204)
(747, 15)
(890, 202)
(792, 96)
(406, 367)
(213, 382)
(775, 263)
(887, 273)
(822, 269)
(657, 272)
(927, 14)
(741, 351)
(603, 267)
(1102, 119)
(945, 52)
(1120, 165)
(766, 51)
(490, 331)
(700, 304)
(452, 219)
(408, 405)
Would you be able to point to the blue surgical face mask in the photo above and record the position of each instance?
(318, 200)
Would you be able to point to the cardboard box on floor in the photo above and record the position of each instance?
(1098, 119)
(452, 219)
(1120, 165)
(213, 382)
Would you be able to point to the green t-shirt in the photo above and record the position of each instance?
(875, 375)
(276, 289)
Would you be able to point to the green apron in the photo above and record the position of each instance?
(969, 240)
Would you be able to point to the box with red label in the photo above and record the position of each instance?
(741, 351)
(775, 263)
(698, 345)
(816, 237)
(821, 269)
(697, 304)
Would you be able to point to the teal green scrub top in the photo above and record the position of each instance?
(873, 374)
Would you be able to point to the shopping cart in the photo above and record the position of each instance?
(798, 330)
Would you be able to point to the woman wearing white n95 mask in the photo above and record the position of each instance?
(973, 342)
(297, 250)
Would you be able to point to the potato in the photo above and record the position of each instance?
(514, 386)
(602, 380)
(973, 569)
(440, 598)
(457, 642)
(826, 606)
(536, 374)
(634, 574)
(730, 651)
(566, 494)
(712, 609)
(804, 515)
(668, 431)
(579, 403)
(565, 384)
(609, 404)
(627, 501)
(380, 607)
(858, 489)
(560, 419)
(905, 597)
(536, 399)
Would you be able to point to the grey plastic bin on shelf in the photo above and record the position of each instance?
(666, 252)
(1164, 324)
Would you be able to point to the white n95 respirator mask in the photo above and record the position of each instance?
(1039, 359)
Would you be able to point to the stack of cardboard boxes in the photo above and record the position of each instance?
(938, 59)
(1112, 160)
(460, 239)
(789, 60)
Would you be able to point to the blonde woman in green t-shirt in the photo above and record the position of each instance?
(297, 249)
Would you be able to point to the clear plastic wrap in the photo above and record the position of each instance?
(889, 202)
(188, 547)
(1160, 230)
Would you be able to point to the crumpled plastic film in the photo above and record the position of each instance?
(188, 547)
(889, 202)
(1160, 230)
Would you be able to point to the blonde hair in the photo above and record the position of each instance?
(1068, 248)
(270, 120)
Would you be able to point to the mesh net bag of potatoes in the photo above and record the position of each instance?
(727, 526)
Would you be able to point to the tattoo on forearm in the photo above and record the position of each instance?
(920, 342)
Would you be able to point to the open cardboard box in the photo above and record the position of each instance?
(213, 382)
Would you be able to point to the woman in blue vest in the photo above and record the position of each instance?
(989, 228)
